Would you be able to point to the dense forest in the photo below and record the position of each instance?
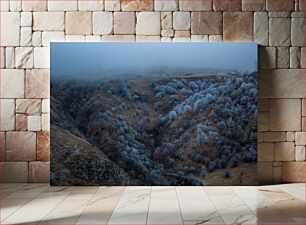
(157, 129)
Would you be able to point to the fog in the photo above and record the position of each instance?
(89, 60)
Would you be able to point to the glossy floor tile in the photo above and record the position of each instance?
(42, 204)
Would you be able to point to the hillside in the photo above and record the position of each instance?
(170, 129)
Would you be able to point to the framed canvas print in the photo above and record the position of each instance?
(153, 114)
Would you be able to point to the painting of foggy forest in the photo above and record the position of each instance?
(153, 114)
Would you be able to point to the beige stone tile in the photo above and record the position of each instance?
(45, 122)
(296, 190)
(34, 123)
(27, 189)
(100, 208)
(148, 23)
(281, 83)
(137, 5)
(273, 5)
(279, 14)
(238, 26)
(10, 28)
(9, 57)
(37, 39)
(124, 22)
(52, 36)
(134, 199)
(55, 193)
(25, 36)
(147, 38)
(277, 174)
(182, 33)
(199, 38)
(75, 38)
(170, 5)
(78, 23)
(272, 214)
(26, 19)
(195, 204)
(167, 33)
(166, 20)
(283, 57)
(267, 57)
(300, 138)
(181, 39)
(202, 5)
(253, 5)
(284, 151)
(7, 114)
(55, 5)
(12, 83)
(25, 214)
(46, 105)
(28, 106)
(206, 23)
(112, 5)
(21, 122)
(261, 28)
(34, 5)
(37, 84)
(231, 5)
(39, 172)
(20, 146)
(300, 153)
(295, 57)
(297, 32)
(43, 146)
(91, 5)
(279, 32)
(285, 115)
(164, 206)
(293, 172)
(118, 38)
(215, 38)
(9, 206)
(102, 22)
(290, 136)
(4, 6)
(263, 121)
(274, 136)
(93, 38)
(166, 39)
(181, 21)
(48, 21)
(265, 152)
(264, 173)
(67, 212)
(16, 172)
(24, 57)
(41, 57)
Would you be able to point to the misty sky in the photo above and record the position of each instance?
(92, 59)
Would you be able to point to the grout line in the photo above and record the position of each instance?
(88, 201)
(178, 201)
(55, 206)
(116, 205)
(217, 211)
(149, 205)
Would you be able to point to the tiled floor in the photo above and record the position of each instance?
(42, 204)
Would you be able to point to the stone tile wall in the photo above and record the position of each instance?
(28, 27)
